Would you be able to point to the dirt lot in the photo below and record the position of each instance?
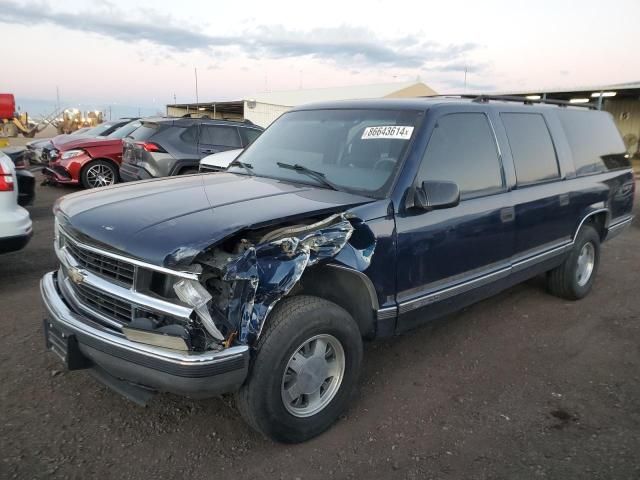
(523, 385)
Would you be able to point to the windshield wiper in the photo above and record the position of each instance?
(247, 166)
(319, 176)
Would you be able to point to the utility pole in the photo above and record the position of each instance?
(195, 70)
(465, 78)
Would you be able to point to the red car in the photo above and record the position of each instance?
(90, 162)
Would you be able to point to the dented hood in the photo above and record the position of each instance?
(168, 222)
(86, 142)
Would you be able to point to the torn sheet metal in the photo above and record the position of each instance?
(265, 273)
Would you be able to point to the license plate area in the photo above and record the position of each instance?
(65, 346)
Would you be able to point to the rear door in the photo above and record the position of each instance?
(543, 215)
(218, 138)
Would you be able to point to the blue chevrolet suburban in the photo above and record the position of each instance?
(342, 221)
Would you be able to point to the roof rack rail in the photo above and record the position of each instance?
(528, 101)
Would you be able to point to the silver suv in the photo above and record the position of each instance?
(174, 146)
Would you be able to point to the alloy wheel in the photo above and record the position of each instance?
(100, 176)
(313, 375)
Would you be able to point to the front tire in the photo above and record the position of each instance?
(574, 278)
(304, 372)
(98, 173)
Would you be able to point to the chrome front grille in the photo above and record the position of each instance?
(103, 303)
(110, 288)
(107, 267)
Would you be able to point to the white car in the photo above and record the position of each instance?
(217, 162)
(15, 223)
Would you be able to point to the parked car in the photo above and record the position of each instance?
(343, 221)
(90, 162)
(51, 151)
(174, 146)
(15, 223)
(35, 147)
(25, 181)
(217, 162)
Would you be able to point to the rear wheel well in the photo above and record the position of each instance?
(345, 288)
(599, 222)
(186, 168)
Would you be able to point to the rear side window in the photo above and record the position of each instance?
(531, 147)
(190, 135)
(249, 135)
(145, 131)
(462, 149)
(217, 135)
(594, 140)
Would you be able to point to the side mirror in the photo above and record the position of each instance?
(433, 195)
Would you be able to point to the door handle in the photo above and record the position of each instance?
(564, 199)
(507, 214)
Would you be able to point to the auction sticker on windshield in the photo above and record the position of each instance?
(392, 131)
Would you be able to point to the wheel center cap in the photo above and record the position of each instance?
(313, 374)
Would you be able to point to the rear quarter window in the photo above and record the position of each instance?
(190, 135)
(249, 135)
(532, 149)
(145, 131)
(595, 142)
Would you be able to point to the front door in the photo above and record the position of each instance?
(452, 257)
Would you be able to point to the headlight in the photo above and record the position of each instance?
(53, 153)
(194, 294)
(71, 153)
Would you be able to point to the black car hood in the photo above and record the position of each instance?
(168, 222)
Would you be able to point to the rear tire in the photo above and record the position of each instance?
(574, 278)
(308, 342)
(98, 173)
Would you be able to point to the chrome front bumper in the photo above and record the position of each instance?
(191, 374)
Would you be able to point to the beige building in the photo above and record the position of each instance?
(264, 108)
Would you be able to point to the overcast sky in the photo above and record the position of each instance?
(144, 52)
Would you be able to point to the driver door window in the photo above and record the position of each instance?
(462, 149)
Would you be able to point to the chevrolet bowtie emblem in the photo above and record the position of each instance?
(76, 275)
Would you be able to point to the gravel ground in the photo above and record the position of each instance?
(523, 385)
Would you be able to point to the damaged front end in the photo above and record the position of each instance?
(243, 278)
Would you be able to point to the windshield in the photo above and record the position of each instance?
(125, 129)
(354, 150)
(97, 131)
